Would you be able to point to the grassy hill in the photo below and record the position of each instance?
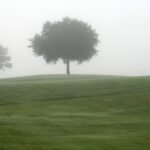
(75, 113)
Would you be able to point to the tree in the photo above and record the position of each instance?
(69, 40)
(4, 58)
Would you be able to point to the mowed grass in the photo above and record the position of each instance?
(75, 112)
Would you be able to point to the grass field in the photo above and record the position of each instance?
(75, 113)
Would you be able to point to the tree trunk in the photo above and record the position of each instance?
(68, 67)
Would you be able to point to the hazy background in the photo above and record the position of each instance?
(123, 27)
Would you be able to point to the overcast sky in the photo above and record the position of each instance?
(123, 27)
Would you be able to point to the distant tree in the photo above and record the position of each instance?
(69, 40)
(4, 58)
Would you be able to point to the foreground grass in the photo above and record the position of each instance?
(75, 113)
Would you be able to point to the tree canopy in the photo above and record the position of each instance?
(4, 58)
(69, 40)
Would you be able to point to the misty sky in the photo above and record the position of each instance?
(123, 27)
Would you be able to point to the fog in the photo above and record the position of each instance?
(123, 27)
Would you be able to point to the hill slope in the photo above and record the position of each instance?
(75, 113)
